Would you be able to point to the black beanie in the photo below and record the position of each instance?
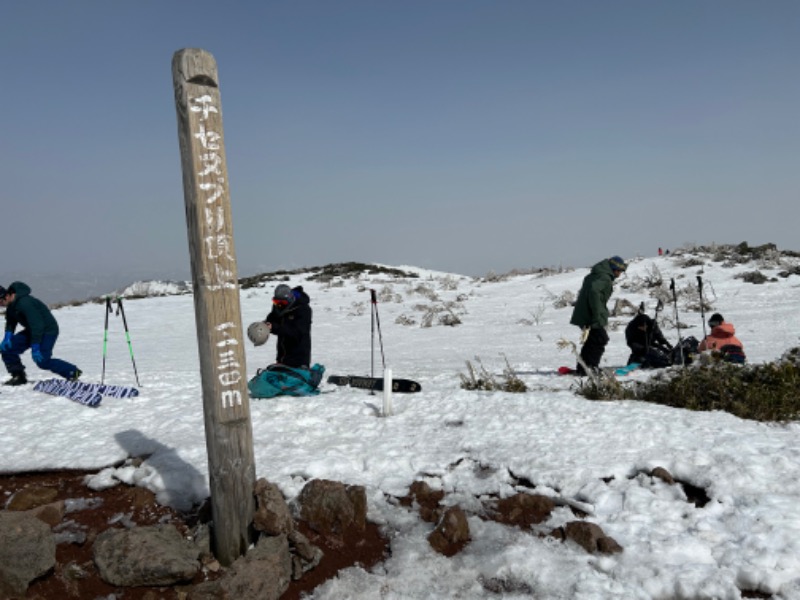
(716, 319)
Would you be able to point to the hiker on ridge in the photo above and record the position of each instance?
(39, 333)
(723, 339)
(290, 320)
(591, 312)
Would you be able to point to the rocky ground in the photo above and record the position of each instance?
(79, 510)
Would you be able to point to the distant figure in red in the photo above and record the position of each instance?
(660, 251)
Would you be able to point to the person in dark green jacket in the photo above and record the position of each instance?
(39, 333)
(591, 312)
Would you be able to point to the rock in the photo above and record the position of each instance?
(663, 475)
(263, 573)
(156, 555)
(452, 532)
(51, 513)
(330, 508)
(524, 510)
(27, 551)
(589, 536)
(31, 497)
(428, 501)
(306, 555)
(272, 513)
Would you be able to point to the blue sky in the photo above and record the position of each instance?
(466, 136)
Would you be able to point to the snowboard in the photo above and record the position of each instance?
(56, 387)
(375, 384)
(89, 394)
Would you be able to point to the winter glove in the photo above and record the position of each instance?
(36, 353)
(5, 345)
(584, 334)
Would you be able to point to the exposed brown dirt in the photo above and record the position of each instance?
(75, 575)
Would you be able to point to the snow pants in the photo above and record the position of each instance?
(592, 351)
(22, 342)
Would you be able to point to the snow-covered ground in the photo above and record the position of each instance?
(596, 454)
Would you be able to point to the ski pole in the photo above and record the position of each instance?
(376, 320)
(650, 334)
(121, 311)
(677, 322)
(702, 304)
(105, 339)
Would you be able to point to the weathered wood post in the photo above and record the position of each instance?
(226, 405)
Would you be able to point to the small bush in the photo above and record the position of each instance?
(604, 388)
(690, 261)
(449, 283)
(357, 309)
(756, 277)
(481, 379)
(405, 320)
(567, 298)
(768, 392)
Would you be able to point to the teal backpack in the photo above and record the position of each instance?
(280, 380)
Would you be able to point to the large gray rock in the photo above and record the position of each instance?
(27, 551)
(156, 555)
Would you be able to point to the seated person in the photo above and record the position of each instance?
(648, 345)
(723, 339)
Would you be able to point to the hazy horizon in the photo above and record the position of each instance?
(464, 137)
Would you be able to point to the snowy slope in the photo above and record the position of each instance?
(569, 447)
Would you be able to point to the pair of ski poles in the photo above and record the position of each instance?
(702, 312)
(120, 312)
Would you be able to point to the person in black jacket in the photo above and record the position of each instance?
(39, 333)
(290, 320)
(648, 345)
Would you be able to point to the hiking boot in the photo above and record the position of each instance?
(76, 374)
(17, 379)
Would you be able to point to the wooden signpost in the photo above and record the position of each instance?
(226, 405)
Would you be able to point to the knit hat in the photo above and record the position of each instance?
(716, 319)
(283, 293)
(617, 264)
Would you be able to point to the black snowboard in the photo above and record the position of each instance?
(401, 386)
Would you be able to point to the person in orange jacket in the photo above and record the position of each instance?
(723, 339)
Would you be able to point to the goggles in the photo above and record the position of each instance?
(280, 303)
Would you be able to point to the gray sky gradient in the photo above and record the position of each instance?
(466, 136)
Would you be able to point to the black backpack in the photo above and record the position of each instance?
(733, 354)
(683, 352)
(656, 359)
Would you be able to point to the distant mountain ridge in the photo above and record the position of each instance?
(70, 289)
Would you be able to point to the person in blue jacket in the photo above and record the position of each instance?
(39, 333)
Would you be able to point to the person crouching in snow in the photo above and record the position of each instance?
(39, 333)
(723, 339)
(290, 320)
(649, 347)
